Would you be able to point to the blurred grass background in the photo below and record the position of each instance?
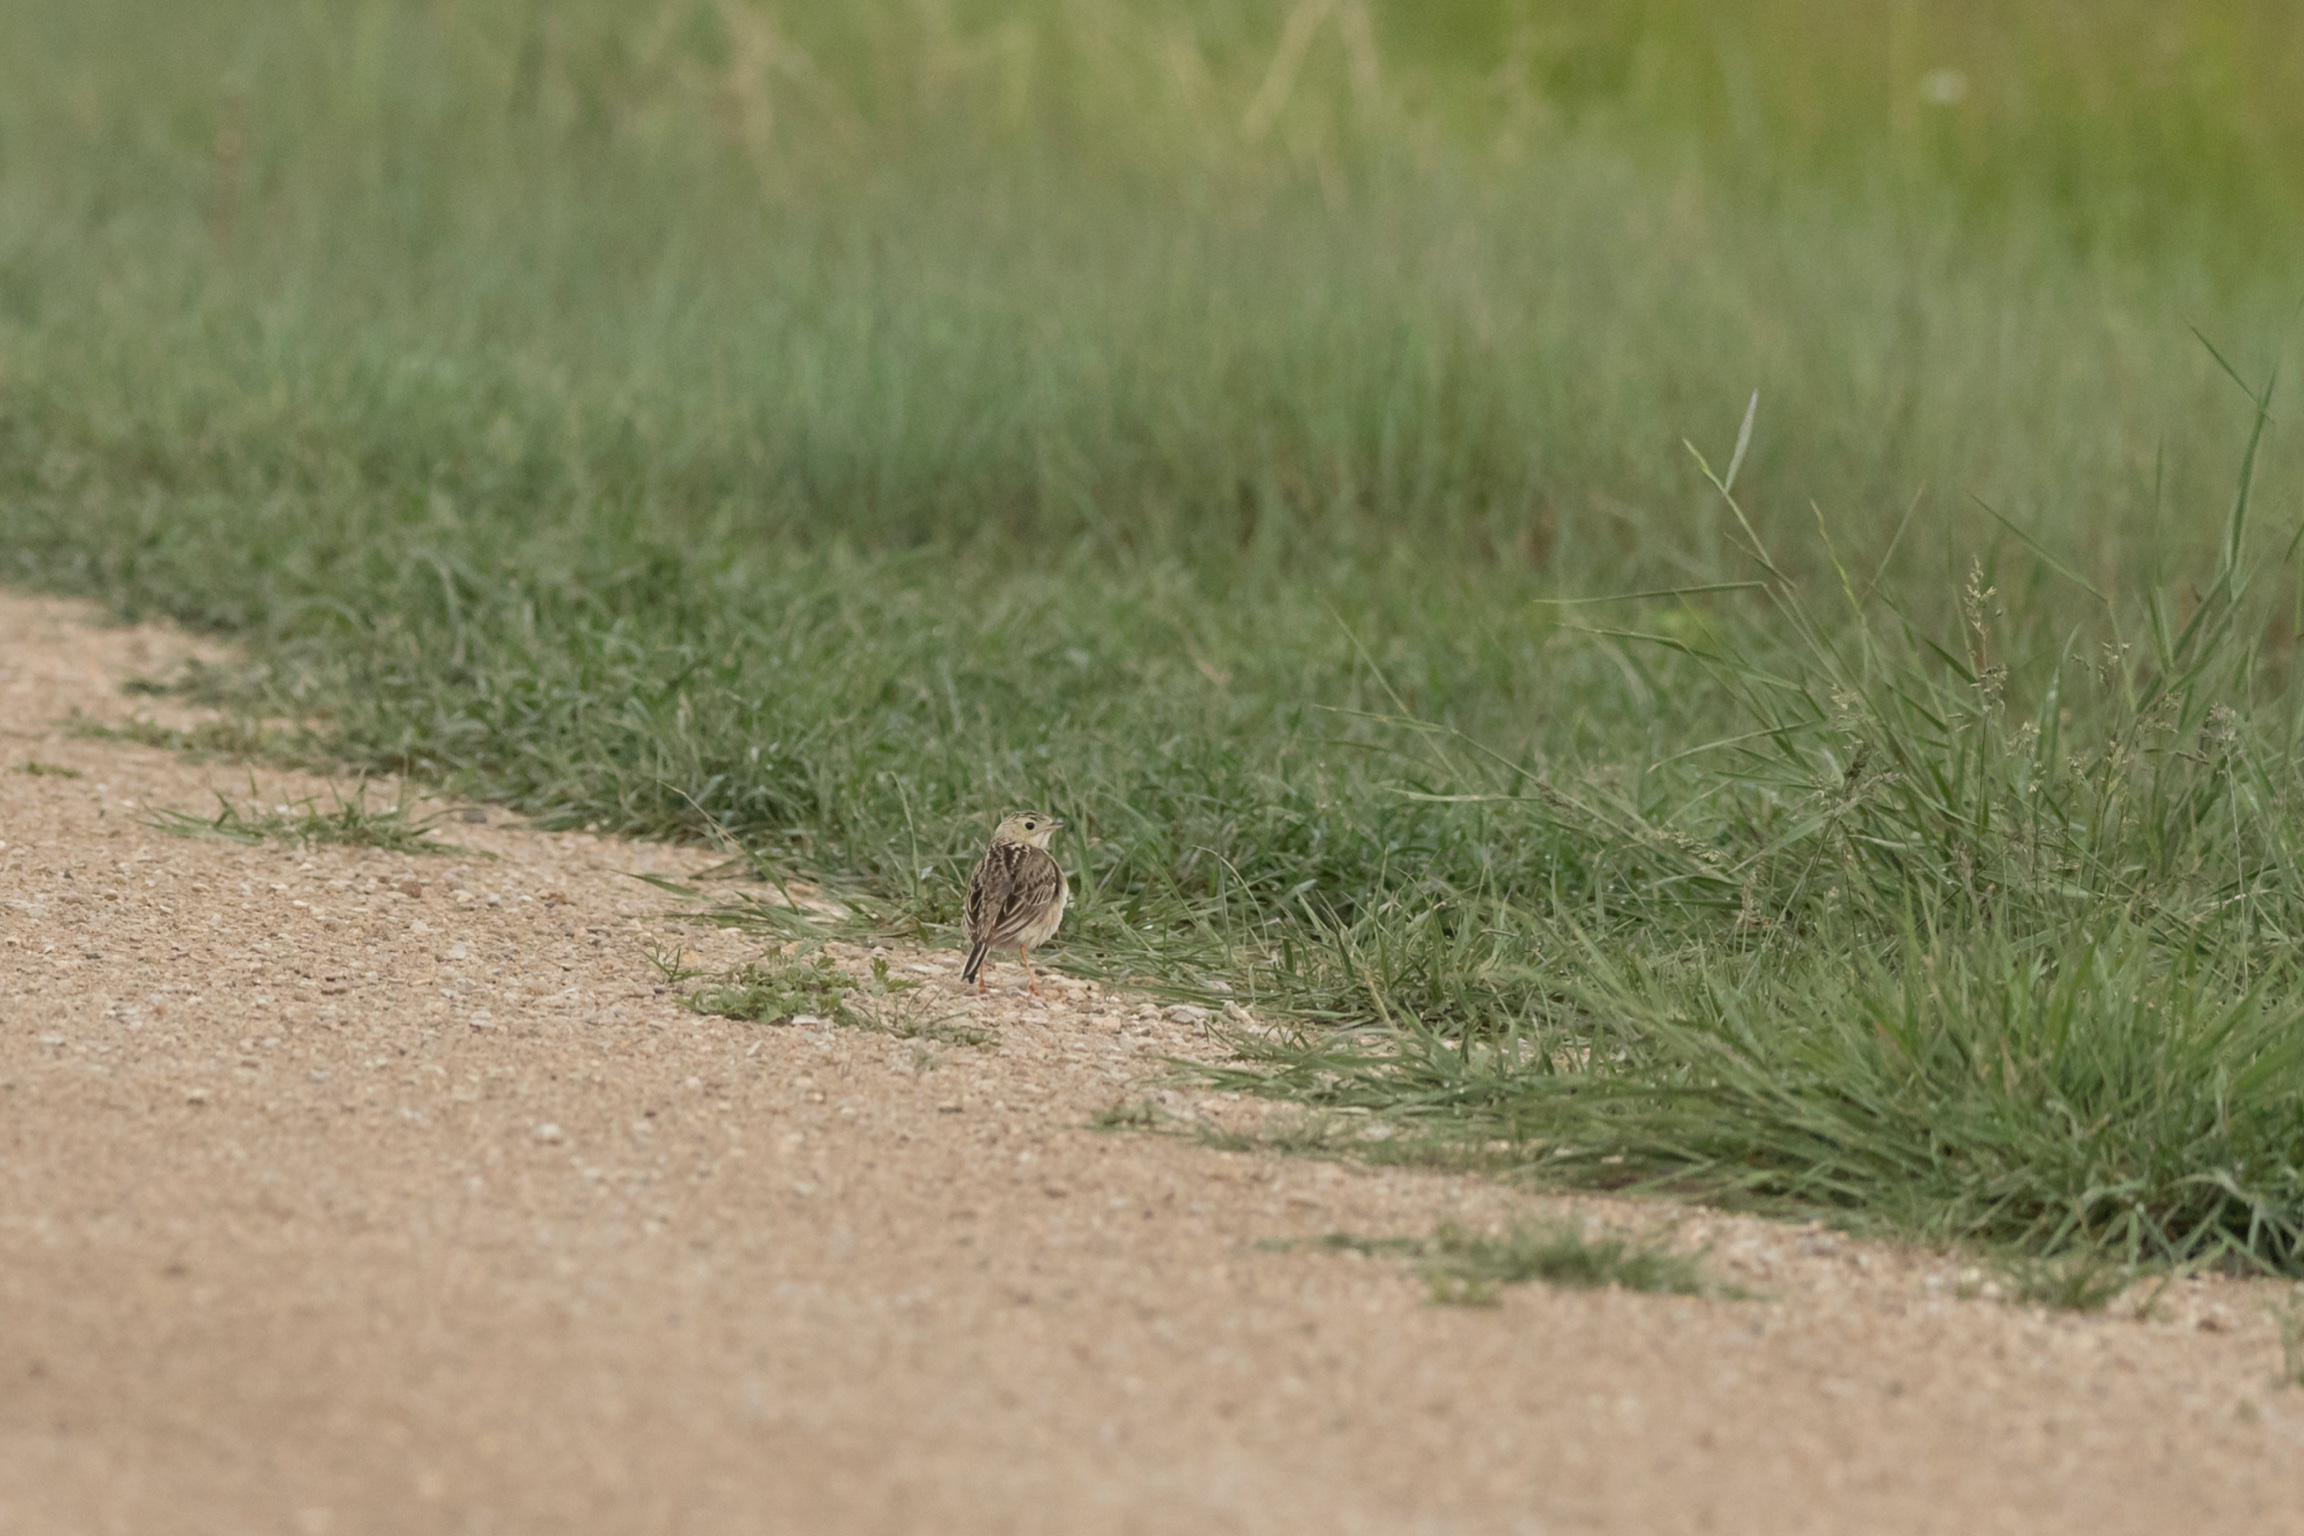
(835, 423)
(1156, 276)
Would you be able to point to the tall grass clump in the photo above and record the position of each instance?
(1996, 953)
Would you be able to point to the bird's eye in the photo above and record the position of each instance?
(1030, 825)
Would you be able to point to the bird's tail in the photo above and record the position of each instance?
(975, 962)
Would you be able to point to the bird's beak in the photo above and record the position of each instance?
(1053, 825)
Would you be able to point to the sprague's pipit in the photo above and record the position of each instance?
(1016, 896)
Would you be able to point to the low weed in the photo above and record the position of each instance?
(40, 770)
(2290, 1317)
(669, 961)
(909, 1021)
(778, 990)
(1374, 1141)
(2080, 1282)
(348, 822)
(232, 737)
(1142, 1115)
(891, 1005)
(1345, 1242)
(1465, 1267)
(785, 988)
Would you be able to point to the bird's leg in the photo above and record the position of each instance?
(1030, 980)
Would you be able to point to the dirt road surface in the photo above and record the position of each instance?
(346, 1191)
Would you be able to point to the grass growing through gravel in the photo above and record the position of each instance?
(1467, 1267)
(828, 426)
(2077, 1283)
(224, 738)
(787, 988)
(2290, 1318)
(777, 991)
(343, 822)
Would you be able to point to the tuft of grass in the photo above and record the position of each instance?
(1318, 1136)
(783, 987)
(2290, 1317)
(1467, 1267)
(40, 770)
(344, 822)
(669, 961)
(911, 1022)
(2077, 1283)
(777, 990)
(1345, 1242)
(1972, 1085)
(1143, 1115)
(1967, 947)
(891, 1005)
(232, 737)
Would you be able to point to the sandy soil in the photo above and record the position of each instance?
(347, 1191)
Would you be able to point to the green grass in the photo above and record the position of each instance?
(776, 991)
(784, 987)
(824, 427)
(1963, 974)
(1466, 1267)
(349, 823)
(235, 737)
(33, 767)
(2076, 1284)
(1144, 1115)
(2290, 1318)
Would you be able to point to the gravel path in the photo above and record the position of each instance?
(346, 1191)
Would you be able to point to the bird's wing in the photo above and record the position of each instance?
(989, 892)
(1034, 879)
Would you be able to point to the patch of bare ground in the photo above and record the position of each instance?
(351, 1191)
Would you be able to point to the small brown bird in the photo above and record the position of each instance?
(1016, 896)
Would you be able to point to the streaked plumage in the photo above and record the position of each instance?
(1017, 894)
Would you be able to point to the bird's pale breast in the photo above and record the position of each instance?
(1043, 928)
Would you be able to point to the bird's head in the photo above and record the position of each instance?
(1032, 827)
